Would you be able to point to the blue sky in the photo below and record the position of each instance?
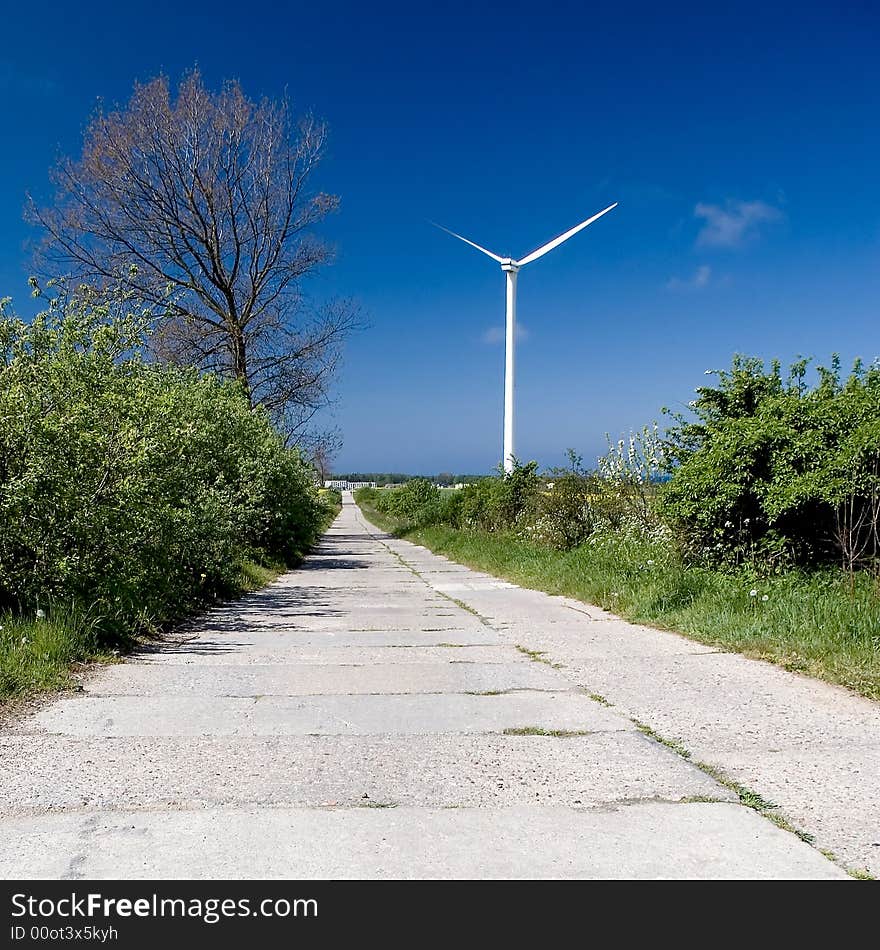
(742, 145)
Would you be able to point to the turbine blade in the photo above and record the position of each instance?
(494, 257)
(541, 251)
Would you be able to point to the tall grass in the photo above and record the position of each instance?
(37, 653)
(809, 622)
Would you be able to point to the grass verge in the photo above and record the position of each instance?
(811, 623)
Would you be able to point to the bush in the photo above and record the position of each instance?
(130, 488)
(778, 472)
(330, 498)
(566, 510)
(413, 502)
(510, 501)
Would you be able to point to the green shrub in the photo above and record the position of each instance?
(495, 504)
(566, 509)
(448, 509)
(129, 488)
(415, 501)
(777, 471)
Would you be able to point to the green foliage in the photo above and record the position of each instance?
(492, 504)
(629, 474)
(776, 471)
(509, 501)
(415, 502)
(130, 489)
(412, 499)
(331, 501)
(567, 509)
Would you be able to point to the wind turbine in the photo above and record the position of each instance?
(511, 268)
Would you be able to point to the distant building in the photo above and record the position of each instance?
(343, 484)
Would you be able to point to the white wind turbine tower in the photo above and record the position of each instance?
(511, 268)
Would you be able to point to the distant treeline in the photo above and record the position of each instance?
(399, 478)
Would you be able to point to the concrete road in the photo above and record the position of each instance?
(378, 714)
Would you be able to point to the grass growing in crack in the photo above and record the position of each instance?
(460, 603)
(599, 698)
(673, 744)
(538, 656)
(540, 731)
(755, 801)
(485, 692)
(746, 796)
(366, 804)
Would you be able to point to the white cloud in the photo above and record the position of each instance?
(497, 334)
(735, 223)
(702, 277)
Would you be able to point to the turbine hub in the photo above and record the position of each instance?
(509, 264)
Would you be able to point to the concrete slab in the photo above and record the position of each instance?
(332, 655)
(843, 818)
(437, 634)
(278, 679)
(653, 841)
(718, 698)
(177, 715)
(47, 772)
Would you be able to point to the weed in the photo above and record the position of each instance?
(540, 731)
(538, 656)
(673, 744)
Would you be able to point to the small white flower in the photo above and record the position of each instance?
(728, 524)
(765, 597)
(41, 615)
(650, 561)
(753, 593)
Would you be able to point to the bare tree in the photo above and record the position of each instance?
(200, 202)
(322, 460)
(857, 520)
